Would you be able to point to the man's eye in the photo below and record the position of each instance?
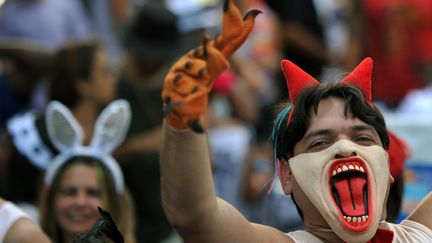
(319, 144)
(364, 140)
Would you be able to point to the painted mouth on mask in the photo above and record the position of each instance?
(349, 188)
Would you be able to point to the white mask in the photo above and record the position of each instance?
(351, 181)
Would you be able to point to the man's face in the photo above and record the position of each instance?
(338, 171)
(330, 125)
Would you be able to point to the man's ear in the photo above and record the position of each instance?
(286, 177)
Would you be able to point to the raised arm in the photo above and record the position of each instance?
(422, 213)
(188, 195)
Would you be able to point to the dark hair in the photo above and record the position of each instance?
(288, 136)
(71, 63)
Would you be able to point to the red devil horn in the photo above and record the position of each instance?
(297, 79)
(361, 77)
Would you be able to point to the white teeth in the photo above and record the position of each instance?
(356, 219)
(347, 168)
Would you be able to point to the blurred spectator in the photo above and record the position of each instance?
(303, 38)
(257, 63)
(271, 208)
(23, 66)
(242, 167)
(49, 23)
(397, 34)
(108, 18)
(83, 177)
(80, 79)
(194, 15)
(17, 227)
(399, 152)
(418, 102)
(152, 41)
(333, 16)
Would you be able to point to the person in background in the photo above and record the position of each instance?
(303, 37)
(256, 64)
(82, 177)
(397, 34)
(80, 77)
(17, 227)
(49, 23)
(23, 67)
(152, 40)
(399, 152)
(330, 146)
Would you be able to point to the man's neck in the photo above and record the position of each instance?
(325, 236)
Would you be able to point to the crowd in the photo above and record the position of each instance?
(89, 89)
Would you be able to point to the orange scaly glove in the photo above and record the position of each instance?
(190, 79)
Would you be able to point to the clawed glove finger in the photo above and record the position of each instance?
(190, 79)
(235, 29)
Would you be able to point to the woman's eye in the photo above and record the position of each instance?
(94, 192)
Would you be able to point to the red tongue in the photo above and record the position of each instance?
(351, 195)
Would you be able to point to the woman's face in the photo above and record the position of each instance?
(101, 87)
(77, 198)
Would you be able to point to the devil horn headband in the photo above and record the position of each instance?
(361, 77)
(297, 80)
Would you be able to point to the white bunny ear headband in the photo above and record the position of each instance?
(67, 136)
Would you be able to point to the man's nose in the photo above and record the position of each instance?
(345, 154)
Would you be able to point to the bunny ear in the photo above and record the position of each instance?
(297, 79)
(361, 77)
(63, 129)
(111, 126)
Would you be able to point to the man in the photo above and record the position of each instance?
(330, 143)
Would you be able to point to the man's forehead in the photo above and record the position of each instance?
(332, 116)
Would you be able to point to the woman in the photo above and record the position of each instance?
(81, 79)
(69, 206)
(82, 177)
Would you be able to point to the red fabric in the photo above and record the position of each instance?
(382, 236)
(399, 39)
(224, 83)
(398, 152)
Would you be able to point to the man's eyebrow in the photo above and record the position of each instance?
(317, 133)
(363, 128)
